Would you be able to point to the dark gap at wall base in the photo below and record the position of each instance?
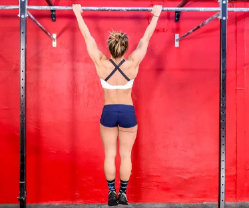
(135, 205)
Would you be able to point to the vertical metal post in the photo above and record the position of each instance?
(23, 29)
(222, 109)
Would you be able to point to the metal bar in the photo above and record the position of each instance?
(23, 37)
(40, 26)
(53, 12)
(238, 9)
(199, 26)
(9, 7)
(222, 102)
(123, 8)
(114, 8)
(139, 9)
(177, 14)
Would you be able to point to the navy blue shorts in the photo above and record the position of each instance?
(118, 114)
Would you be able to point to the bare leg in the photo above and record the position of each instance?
(109, 138)
(127, 138)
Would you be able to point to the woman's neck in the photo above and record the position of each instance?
(117, 59)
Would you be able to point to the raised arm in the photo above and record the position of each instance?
(91, 45)
(138, 54)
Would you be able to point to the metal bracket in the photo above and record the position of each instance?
(51, 36)
(223, 15)
(53, 12)
(177, 16)
(54, 43)
(20, 9)
(21, 198)
(178, 13)
(53, 15)
(177, 40)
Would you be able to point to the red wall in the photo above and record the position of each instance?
(176, 98)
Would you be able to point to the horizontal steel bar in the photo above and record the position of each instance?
(9, 7)
(238, 9)
(138, 9)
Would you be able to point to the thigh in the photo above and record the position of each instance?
(127, 137)
(109, 137)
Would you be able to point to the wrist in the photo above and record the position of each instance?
(78, 13)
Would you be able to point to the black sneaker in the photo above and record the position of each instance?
(112, 198)
(122, 199)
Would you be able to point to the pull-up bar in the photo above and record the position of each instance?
(130, 9)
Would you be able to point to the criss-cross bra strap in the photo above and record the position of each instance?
(117, 68)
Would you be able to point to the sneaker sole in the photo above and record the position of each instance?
(113, 204)
(124, 203)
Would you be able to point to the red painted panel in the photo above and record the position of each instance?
(175, 156)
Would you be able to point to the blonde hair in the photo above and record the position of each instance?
(117, 44)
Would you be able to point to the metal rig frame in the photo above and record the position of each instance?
(223, 14)
(23, 40)
(178, 13)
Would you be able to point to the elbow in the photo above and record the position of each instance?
(145, 39)
(89, 39)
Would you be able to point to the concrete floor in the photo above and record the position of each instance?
(133, 205)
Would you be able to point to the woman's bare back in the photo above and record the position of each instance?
(117, 96)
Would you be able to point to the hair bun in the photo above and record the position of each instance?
(117, 43)
(117, 37)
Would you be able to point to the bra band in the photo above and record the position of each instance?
(106, 85)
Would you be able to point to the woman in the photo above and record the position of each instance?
(118, 119)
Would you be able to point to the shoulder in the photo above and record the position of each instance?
(131, 67)
(101, 59)
(132, 61)
(101, 65)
